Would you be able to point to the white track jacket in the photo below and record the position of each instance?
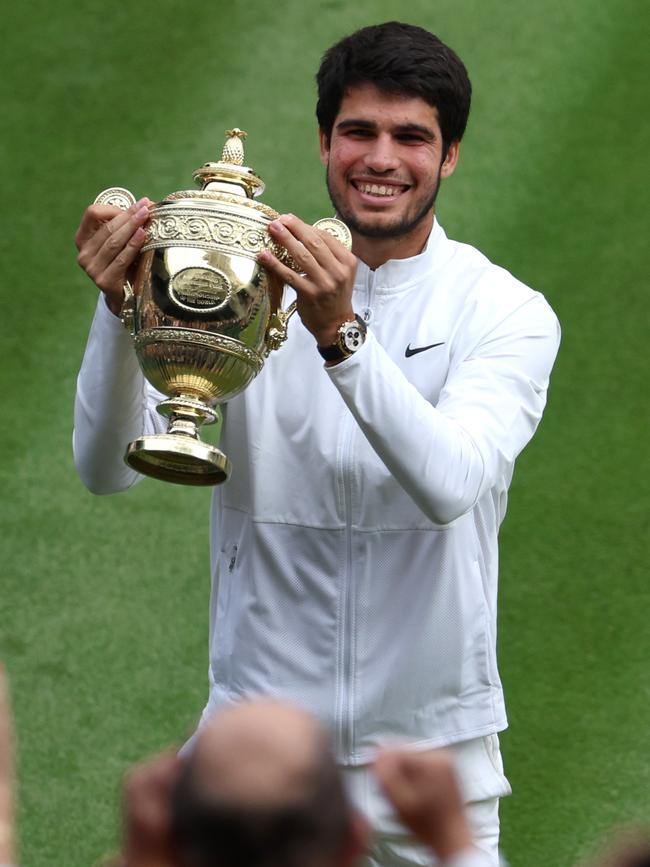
(354, 550)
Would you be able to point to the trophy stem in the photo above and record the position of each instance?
(183, 427)
(180, 455)
(187, 413)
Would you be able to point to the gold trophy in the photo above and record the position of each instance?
(201, 313)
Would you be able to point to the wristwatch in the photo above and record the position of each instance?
(350, 338)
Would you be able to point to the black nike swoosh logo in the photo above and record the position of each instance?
(409, 352)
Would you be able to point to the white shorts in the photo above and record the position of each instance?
(480, 772)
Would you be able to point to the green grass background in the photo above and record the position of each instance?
(103, 601)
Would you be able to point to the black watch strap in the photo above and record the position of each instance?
(331, 353)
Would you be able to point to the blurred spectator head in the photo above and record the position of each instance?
(629, 849)
(262, 789)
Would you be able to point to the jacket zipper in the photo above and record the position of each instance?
(347, 626)
(367, 312)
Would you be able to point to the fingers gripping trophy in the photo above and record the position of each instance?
(202, 311)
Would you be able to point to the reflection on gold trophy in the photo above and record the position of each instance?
(200, 311)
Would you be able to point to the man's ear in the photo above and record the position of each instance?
(449, 162)
(324, 147)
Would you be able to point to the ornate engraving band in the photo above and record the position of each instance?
(211, 196)
(208, 229)
(184, 337)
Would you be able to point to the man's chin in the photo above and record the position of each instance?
(380, 228)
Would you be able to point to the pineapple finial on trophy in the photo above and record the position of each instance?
(233, 150)
(230, 170)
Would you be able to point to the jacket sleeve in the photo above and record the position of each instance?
(113, 406)
(447, 456)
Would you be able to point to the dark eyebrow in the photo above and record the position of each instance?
(353, 122)
(416, 127)
(358, 123)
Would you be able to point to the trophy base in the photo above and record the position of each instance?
(178, 459)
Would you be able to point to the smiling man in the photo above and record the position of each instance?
(354, 551)
(385, 158)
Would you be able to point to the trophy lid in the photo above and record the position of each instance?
(230, 173)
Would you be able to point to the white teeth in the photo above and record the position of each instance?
(378, 189)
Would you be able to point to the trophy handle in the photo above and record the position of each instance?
(276, 333)
(127, 311)
(119, 197)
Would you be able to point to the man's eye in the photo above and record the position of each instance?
(410, 138)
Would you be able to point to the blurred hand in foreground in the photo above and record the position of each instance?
(147, 812)
(424, 791)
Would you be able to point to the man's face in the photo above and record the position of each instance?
(384, 162)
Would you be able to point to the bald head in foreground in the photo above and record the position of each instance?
(262, 788)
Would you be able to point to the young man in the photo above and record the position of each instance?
(354, 551)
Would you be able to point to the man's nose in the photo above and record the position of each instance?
(382, 155)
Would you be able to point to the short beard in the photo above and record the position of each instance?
(397, 229)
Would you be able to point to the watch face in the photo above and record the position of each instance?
(352, 337)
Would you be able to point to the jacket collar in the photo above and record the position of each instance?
(398, 274)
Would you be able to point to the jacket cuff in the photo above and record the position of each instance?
(105, 314)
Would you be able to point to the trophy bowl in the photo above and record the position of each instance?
(201, 310)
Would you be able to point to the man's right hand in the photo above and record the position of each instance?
(109, 241)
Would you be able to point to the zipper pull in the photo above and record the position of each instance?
(366, 315)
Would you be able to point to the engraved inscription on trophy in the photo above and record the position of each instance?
(200, 290)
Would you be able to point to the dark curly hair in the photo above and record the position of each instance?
(398, 59)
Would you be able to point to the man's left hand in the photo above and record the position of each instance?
(324, 288)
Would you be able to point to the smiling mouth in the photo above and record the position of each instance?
(380, 190)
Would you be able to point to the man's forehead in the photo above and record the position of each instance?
(373, 106)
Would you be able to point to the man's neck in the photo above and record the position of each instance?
(377, 251)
